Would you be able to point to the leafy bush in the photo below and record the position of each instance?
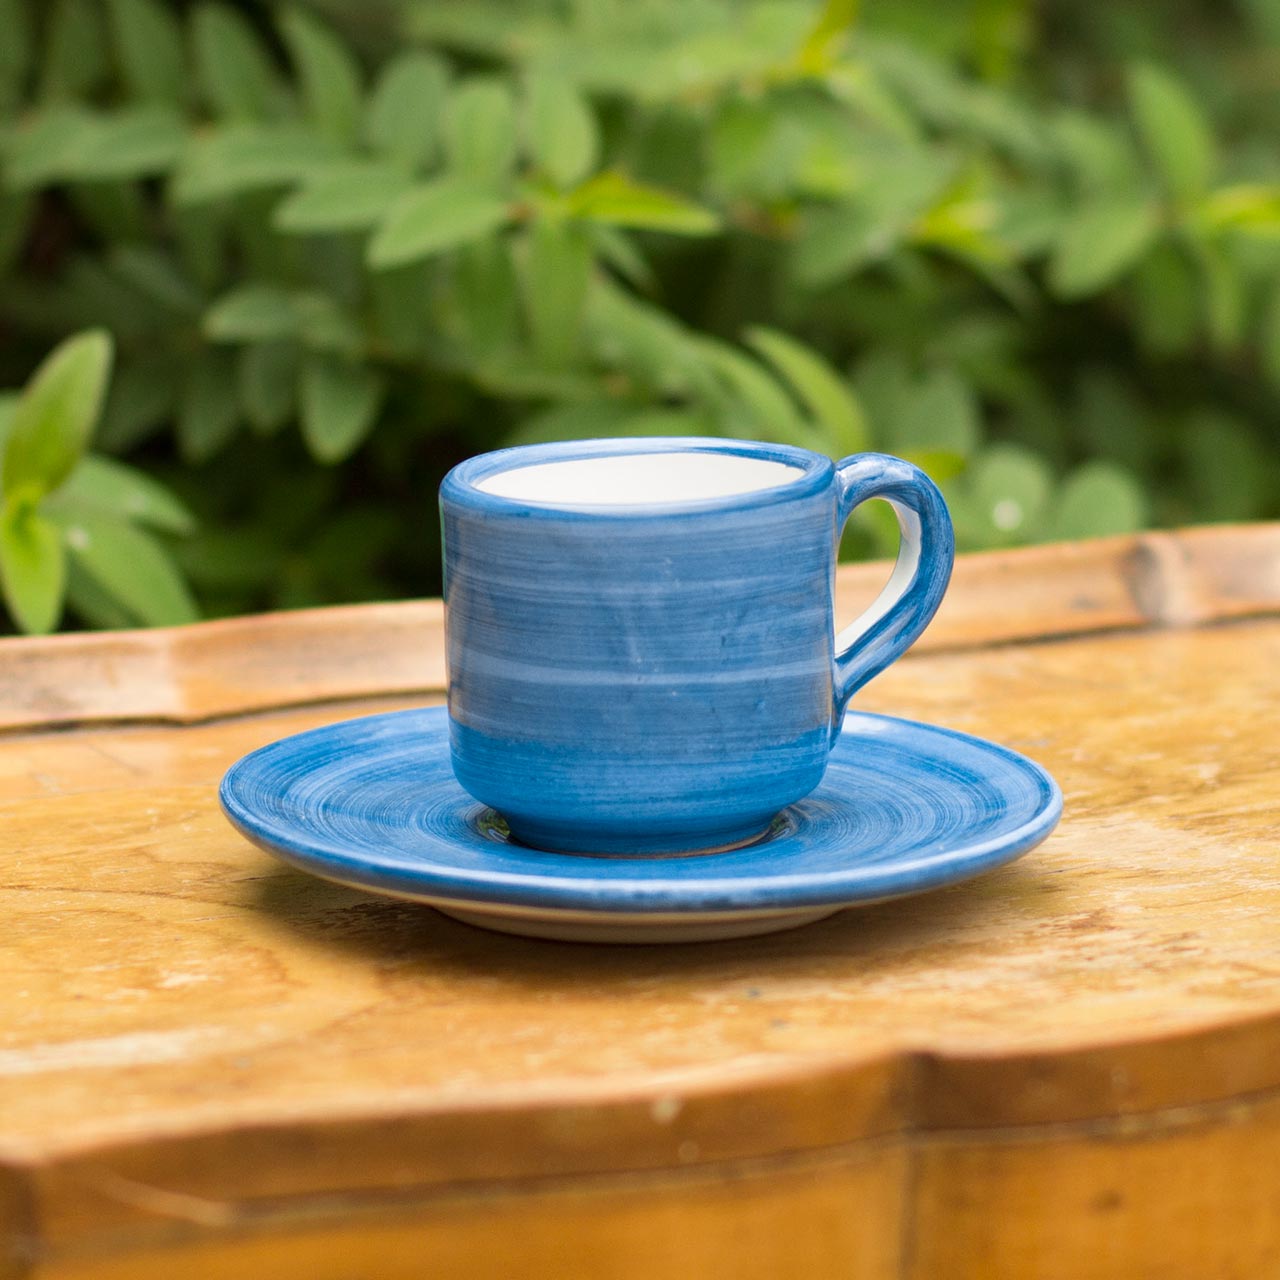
(340, 247)
(69, 523)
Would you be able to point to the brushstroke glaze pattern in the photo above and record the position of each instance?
(653, 679)
(904, 807)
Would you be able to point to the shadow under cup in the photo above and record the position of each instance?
(640, 637)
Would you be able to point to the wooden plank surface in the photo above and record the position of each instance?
(213, 1066)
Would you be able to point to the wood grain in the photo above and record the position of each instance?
(211, 1066)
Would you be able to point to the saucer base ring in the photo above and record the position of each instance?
(581, 926)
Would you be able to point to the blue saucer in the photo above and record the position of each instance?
(904, 807)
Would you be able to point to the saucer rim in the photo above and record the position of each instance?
(595, 886)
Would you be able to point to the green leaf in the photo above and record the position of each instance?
(110, 488)
(244, 158)
(340, 404)
(148, 45)
(404, 115)
(351, 197)
(1097, 499)
(1010, 487)
(557, 269)
(329, 74)
(859, 86)
(1002, 32)
(325, 326)
(942, 98)
(142, 399)
(432, 217)
(55, 416)
(1100, 243)
(92, 605)
(132, 568)
(936, 412)
(1223, 292)
(1251, 207)
(837, 241)
(480, 131)
(252, 313)
(1173, 129)
(33, 569)
(487, 295)
(624, 332)
(266, 377)
(39, 150)
(617, 250)
(1097, 152)
(963, 223)
(827, 396)
(616, 200)
(746, 46)
(1167, 302)
(135, 143)
(71, 145)
(828, 33)
(563, 136)
(761, 409)
(208, 414)
(233, 67)
(481, 26)
(1030, 221)
(156, 275)
(74, 61)
(744, 142)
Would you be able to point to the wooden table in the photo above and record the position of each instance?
(211, 1066)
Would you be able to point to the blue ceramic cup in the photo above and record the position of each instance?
(640, 635)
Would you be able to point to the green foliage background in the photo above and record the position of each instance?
(341, 246)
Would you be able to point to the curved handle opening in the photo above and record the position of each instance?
(910, 598)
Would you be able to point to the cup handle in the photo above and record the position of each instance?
(911, 597)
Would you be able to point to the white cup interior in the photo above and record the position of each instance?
(639, 479)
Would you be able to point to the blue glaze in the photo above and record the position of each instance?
(904, 807)
(650, 679)
(919, 579)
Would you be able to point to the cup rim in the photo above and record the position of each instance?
(460, 484)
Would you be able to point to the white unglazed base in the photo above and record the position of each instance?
(581, 926)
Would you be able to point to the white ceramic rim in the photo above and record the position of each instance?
(640, 479)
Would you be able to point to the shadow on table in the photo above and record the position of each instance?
(407, 935)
